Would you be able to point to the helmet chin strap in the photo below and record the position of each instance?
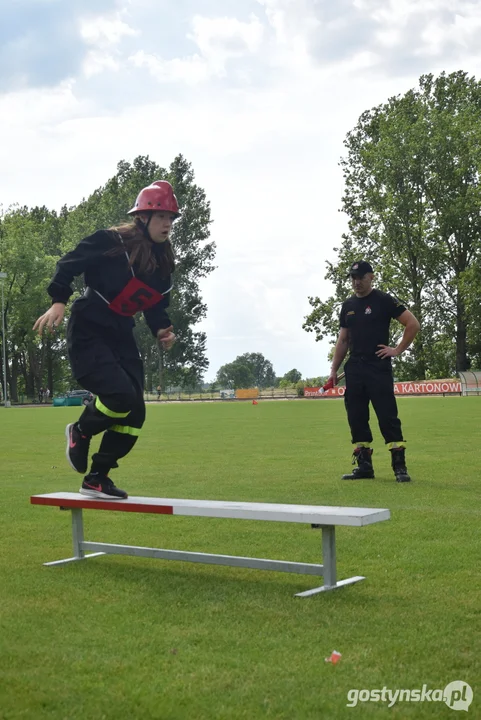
(145, 227)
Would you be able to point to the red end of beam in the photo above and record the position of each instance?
(119, 505)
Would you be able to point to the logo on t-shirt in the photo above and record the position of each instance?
(367, 311)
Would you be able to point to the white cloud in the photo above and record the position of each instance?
(444, 26)
(105, 31)
(222, 38)
(462, 34)
(190, 70)
(103, 34)
(34, 109)
(292, 20)
(218, 40)
(97, 62)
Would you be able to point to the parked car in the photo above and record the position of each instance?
(83, 397)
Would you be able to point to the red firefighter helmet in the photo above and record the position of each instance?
(158, 196)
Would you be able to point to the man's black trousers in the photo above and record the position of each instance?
(371, 380)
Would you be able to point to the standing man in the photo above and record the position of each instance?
(365, 319)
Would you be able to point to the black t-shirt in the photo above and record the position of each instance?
(368, 319)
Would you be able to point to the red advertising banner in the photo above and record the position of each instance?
(424, 387)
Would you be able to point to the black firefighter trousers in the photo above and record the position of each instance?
(371, 380)
(110, 367)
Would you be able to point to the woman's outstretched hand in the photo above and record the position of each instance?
(52, 318)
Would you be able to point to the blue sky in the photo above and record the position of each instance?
(257, 94)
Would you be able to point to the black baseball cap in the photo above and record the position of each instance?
(361, 267)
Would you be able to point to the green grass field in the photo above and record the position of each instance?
(138, 639)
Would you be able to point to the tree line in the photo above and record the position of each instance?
(33, 239)
(253, 370)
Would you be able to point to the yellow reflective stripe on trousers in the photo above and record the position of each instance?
(397, 445)
(125, 429)
(362, 444)
(110, 413)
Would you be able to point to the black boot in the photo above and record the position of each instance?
(364, 469)
(398, 462)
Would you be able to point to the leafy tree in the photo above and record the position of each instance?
(291, 378)
(413, 201)
(248, 370)
(262, 370)
(471, 284)
(25, 236)
(318, 381)
(235, 375)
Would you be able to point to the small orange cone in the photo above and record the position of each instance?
(254, 402)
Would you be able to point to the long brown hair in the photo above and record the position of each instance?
(141, 250)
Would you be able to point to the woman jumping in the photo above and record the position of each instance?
(127, 269)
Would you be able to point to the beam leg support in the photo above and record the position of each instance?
(77, 540)
(329, 564)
